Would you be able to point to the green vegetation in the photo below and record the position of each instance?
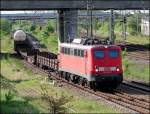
(84, 106)
(5, 26)
(135, 70)
(56, 104)
(6, 43)
(21, 89)
(27, 87)
(133, 36)
(45, 34)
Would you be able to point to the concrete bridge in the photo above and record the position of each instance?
(67, 10)
(32, 16)
(73, 4)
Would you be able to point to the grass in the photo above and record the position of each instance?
(137, 39)
(138, 71)
(17, 105)
(26, 86)
(6, 43)
(14, 70)
(87, 106)
(31, 89)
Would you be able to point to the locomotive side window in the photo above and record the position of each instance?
(113, 53)
(78, 53)
(71, 51)
(75, 52)
(98, 54)
(82, 53)
(65, 50)
(68, 51)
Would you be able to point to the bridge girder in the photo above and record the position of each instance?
(73, 4)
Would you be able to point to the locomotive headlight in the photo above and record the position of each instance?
(96, 68)
(117, 69)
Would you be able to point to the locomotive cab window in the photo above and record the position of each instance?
(98, 54)
(113, 53)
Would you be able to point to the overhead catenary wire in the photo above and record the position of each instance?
(69, 12)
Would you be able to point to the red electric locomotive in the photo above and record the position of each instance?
(91, 64)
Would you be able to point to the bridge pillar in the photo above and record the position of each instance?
(67, 25)
(112, 36)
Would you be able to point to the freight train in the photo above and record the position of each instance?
(85, 61)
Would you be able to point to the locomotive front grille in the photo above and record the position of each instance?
(106, 69)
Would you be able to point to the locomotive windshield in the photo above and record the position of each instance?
(113, 53)
(99, 54)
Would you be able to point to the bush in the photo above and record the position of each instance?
(5, 83)
(55, 103)
(132, 25)
(48, 29)
(5, 26)
(9, 96)
(126, 63)
(32, 27)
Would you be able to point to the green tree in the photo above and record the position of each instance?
(6, 26)
(48, 29)
(32, 27)
(133, 25)
(56, 104)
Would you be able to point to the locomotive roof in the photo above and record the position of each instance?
(80, 46)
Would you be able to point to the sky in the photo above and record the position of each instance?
(15, 12)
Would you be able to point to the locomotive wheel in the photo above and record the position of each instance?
(81, 81)
(75, 79)
(86, 83)
(60, 73)
(93, 86)
(63, 75)
(68, 77)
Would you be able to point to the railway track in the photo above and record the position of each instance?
(135, 50)
(137, 85)
(118, 97)
(139, 55)
(141, 83)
